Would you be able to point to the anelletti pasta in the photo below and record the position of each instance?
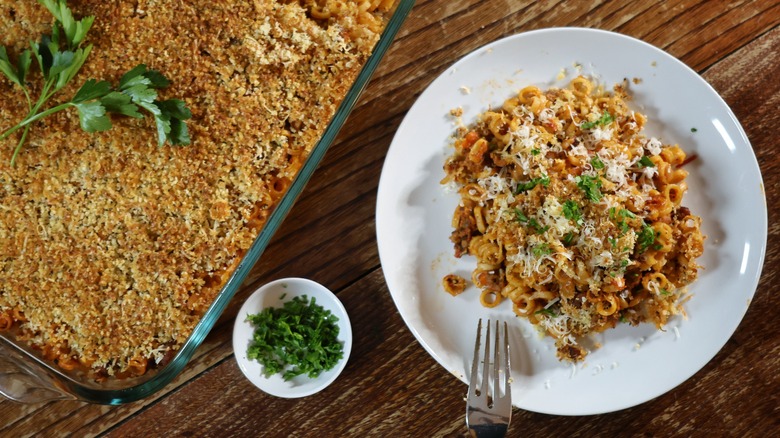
(112, 248)
(573, 215)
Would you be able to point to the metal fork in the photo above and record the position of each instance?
(488, 408)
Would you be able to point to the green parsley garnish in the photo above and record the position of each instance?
(645, 161)
(614, 213)
(536, 151)
(571, 211)
(568, 239)
(537, 226)
(606, 119)
(596, 162)
(60, 56)
(544, 180)
(532, 222)
(523, 219)
(298, 338)
(694, 129)
(591, 185)
(541, 250)
(646, 237)
(546, 311)
(621, 215)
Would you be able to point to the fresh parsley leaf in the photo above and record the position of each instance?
(538, 228)
(536, 151)
(92, 116)
(646, 237)
(540, 250)
(60, 57)
(546, 311)
(591, 185)
(156, 79)
(120, 103)
(531, 222)
(74, 30)
(180, 134)
(91, 89)
(175, 108)
(571, 211)
(568, 239)
(596, 162)
(523, 219)
(61, 61)
(606, 119)
(645, 161)
(24, 62)
(141, 94)
(299, 338)
(544, 180)
(134, 76)
(163, 122)
(43, 55)
(8, 69)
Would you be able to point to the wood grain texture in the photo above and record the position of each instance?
(391, 386)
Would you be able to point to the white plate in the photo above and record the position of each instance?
(275, 294)
(725, 188)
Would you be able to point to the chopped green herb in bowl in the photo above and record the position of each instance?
(300, 338)
(292, 337)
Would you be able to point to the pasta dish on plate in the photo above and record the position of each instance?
(572, 213)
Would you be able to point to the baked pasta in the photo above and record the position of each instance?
(112, 248)
(573, 215)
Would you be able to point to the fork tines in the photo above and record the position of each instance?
(489, 402)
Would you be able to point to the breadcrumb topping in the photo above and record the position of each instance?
(113, 247)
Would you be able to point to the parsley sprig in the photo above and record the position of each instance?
(301, 337)
(621, 217)
(544, 180)
(646, 238)
(645, 161)
(571, 210)
(60, 57)
(590, 185)
(605, 119)
(541, 250)
(531, 222)
(596, 162)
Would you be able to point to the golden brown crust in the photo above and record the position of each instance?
(111, 246)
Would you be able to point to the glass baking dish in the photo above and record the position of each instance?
(26, 377)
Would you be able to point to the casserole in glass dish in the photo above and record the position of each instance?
(49, 350)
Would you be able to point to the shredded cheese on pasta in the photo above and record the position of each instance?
(572, 214)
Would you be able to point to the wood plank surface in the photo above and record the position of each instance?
(391, 386)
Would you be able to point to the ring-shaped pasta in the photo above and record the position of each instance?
(490, 298)
(607, 306)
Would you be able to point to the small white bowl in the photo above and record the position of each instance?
(270, 295)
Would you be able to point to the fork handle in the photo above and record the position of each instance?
(488, 431)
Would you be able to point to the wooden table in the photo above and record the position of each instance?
(391, 386)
